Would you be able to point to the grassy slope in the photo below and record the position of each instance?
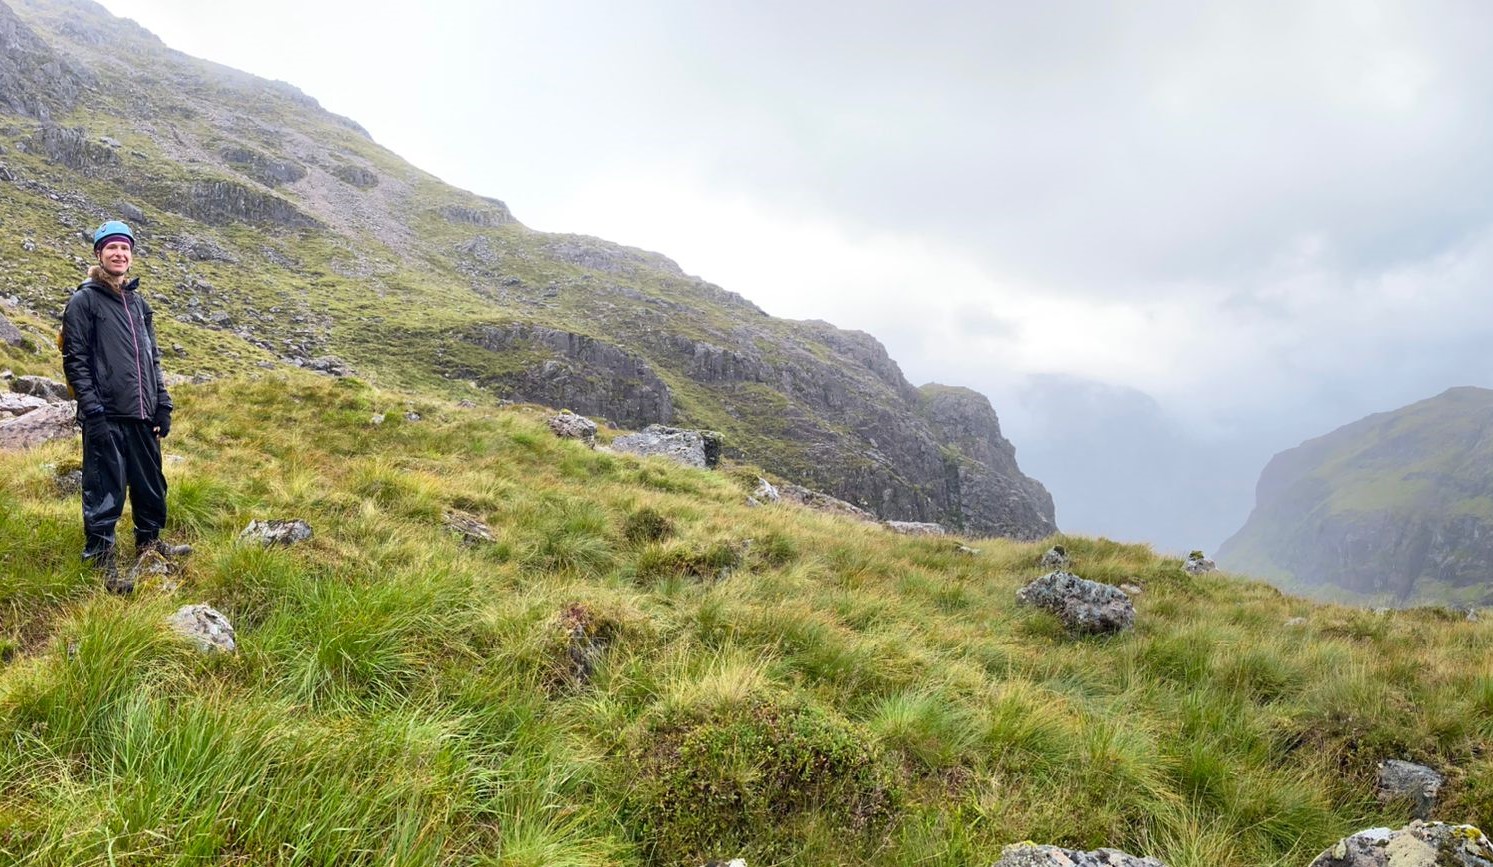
(400, 698)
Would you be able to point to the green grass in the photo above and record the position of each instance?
(763, 682)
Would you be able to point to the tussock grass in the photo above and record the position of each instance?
(642, 670)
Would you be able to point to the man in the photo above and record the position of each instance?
(113, 364)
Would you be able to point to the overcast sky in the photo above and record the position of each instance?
(1260, 219)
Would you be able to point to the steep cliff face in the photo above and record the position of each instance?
(1395, 508)
(273, 232)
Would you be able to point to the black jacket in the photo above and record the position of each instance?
(109, 353)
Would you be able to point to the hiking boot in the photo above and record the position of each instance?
(107, 563)
(161, 549)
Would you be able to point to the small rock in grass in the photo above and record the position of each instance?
(1197, 564)
(205, 626)
(766, 491)
(569, 426)
(1400, 780)
(471, 528)
(1055, 558)
(276, 532)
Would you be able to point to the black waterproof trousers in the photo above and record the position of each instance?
(119, 454)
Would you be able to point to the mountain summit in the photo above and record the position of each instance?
(274, 232)
(1393, 508)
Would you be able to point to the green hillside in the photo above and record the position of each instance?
(1394, 509)
(644, 670)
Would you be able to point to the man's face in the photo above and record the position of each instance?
(115, 257)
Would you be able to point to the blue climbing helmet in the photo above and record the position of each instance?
(112, 230)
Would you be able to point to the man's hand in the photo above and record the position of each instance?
(163, 423)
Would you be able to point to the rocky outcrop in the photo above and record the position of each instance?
(363, 179)
(917, 528)
(223, 203)
(1391, 509)
(1086, 607)
(47, 389)
(1197, 564)
(1419, 844)
(585, 374)
(264, 169)
(983, 484)
(34, 81)
(494, 213)
(71, 147)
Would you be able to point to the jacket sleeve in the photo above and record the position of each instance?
(163, 400)
(77, 349)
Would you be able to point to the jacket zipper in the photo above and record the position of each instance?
(135, 343)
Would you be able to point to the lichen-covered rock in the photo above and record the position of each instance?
(766, 491)
(1407, 781)
(276, 532)
(1197, 564)
(568, 425)
(1419, 844)
(917, 528)
(1033, 855)
(688, 447)
(1084, 606)
(1055, 558)
(204, 626)
(52, 422)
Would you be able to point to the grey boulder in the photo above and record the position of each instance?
(1419, 844)
(917, 528)
(1084, 606)
(1407, 781)
(1055, 558)
(9, 334)
(569, 426)
(51, 422)
(693, 448)
(1197, 564)
(205, 627)
(49, 390)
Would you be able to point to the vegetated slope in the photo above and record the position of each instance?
(275, 232)
(643, 670)
(1393, 509)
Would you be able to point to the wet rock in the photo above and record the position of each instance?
(568, 425)
(52, 422)
(916, 528)
(1055, 558)
(49, 390)
(1419, 844)
(1197, 564)
(276, 532)
(471, 529)
(205, 627)
(688, 447)
(1084, 606)
(1033, 855)
(1406, 781)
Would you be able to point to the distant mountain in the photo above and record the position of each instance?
(274, 232)
(1396, 508)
